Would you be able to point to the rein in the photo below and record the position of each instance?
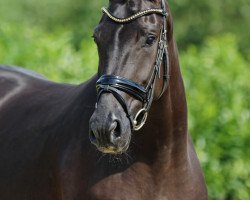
(113, 84)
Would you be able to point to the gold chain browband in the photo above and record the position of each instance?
(135, 16)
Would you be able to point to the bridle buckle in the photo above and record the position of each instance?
(140, 119)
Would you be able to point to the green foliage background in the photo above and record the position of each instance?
(54, 39)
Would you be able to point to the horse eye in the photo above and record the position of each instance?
(150, 40)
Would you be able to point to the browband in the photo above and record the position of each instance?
(135, 16)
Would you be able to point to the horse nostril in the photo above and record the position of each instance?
(92, 137)
(116, 131)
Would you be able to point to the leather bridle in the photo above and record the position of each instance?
(113, 84)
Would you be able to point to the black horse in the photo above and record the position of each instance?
(46, 128)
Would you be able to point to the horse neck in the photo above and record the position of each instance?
(165, 135)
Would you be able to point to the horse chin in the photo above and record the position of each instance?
(111, 151)
(115, 150)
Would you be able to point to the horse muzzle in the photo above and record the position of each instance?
(110, 129)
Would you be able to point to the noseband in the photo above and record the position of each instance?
(113, 84)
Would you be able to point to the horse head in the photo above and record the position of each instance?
(132, 39)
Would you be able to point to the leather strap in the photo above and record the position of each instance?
(133, 89)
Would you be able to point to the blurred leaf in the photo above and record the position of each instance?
(218, 91)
